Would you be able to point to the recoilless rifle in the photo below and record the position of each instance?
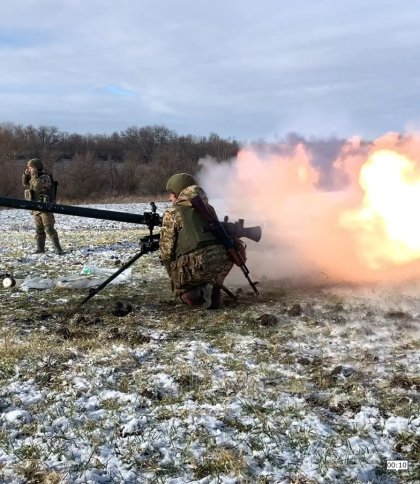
(225, 231)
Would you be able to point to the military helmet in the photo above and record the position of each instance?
(35, 163)
(178, 182)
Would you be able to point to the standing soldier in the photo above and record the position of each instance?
(196, 261)
(40, 188)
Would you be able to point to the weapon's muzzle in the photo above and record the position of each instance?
(237, 230)
(253, 233)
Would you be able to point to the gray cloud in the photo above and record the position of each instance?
(244, 69)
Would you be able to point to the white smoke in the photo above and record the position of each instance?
(281, 188)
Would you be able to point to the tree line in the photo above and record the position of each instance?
(97, 167)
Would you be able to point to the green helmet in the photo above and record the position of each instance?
(35, 163)
(178, 182)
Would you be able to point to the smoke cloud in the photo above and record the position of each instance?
(301, 192)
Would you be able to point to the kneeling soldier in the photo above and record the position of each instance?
(196, 261)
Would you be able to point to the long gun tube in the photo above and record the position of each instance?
(151, 219)
(225, 230)
(146, 218)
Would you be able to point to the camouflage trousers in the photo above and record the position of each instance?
(209, 264)
(44, 223)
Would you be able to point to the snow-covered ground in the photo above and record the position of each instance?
(300, 384)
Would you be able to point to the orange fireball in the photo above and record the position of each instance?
(387, 226)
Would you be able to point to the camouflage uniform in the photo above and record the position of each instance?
(208, 263)
(40, 185)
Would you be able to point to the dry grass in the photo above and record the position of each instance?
(248, 392)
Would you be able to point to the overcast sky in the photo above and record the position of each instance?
(246, 69)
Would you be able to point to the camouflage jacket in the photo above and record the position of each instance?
(172, 224)
(40, 184)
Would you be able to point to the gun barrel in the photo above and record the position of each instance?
(151, 219)
(237, 231)
(76, 211)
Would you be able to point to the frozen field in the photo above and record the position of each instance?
(301, 384)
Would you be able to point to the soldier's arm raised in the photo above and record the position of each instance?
(26, 177)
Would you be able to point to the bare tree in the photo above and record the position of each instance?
(82, 177)
(44, 143)
(137, 160)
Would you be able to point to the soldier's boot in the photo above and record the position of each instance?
(57, 247)
(198, 296)
(216, 297)
(40, 245)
